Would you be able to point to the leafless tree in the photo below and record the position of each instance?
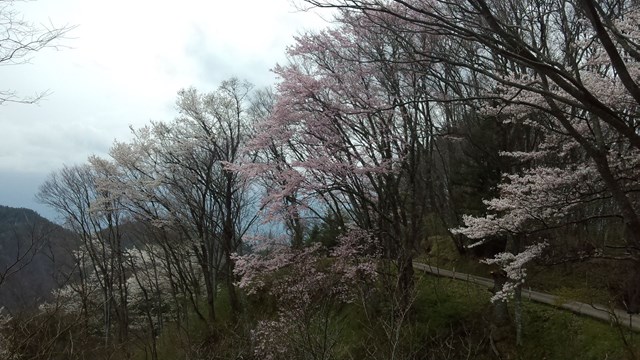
(19, 41)
(96, 218)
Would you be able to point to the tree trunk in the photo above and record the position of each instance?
(500, 310)
(518, 314)
(209, 281)
(229, 245)
(406, 281)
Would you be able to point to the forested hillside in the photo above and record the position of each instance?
(283, 223)
(32, 253)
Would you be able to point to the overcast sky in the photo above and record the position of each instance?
(125, 63)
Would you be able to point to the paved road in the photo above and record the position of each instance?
(595, 311)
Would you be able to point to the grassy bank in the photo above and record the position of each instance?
(451, 320)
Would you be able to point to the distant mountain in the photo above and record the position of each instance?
(33, 252)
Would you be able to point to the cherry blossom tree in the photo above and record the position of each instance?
(309, 293)
(567, 68)
(287, 208)
(5, 338)
(149, 301)
(564, 60)
(175, 176)
(351, 129)
(158, 221)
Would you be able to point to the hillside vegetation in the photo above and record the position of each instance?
(496, 136)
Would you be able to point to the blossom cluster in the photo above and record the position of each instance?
(513, 266)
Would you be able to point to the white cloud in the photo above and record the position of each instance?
(127, 60)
